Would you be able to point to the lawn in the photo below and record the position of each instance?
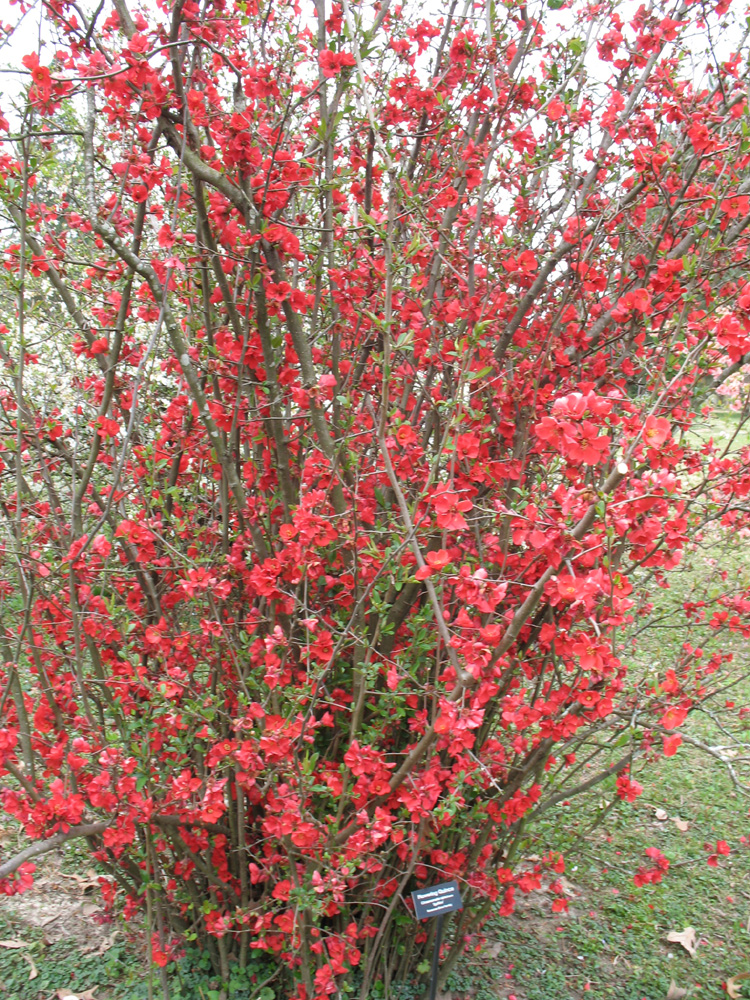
(612, 942)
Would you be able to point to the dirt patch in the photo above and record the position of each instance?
(64, 907)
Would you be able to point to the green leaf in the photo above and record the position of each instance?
(414, 246)
(369, 221)
(575, 45)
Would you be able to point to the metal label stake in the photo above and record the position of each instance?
(436, 902)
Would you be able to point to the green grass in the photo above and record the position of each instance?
(614, 937)
(59, 967)
(119, 974)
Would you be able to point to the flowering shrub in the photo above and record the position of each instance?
(351, 362)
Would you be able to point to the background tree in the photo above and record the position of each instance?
(352, 361)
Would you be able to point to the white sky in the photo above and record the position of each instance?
(31, 29)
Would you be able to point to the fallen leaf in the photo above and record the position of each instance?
(86, 995)
(14, 943)
(675, 992)
(99, 947)
(682, 824)
(733, 990)
(567, 887)
(90, 882)
(685, 938)
(33, 972)
(106, 944)
(661, 815)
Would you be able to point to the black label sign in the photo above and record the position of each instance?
(437, 899)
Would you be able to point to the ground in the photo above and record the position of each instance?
(57, 940)
(613, 941)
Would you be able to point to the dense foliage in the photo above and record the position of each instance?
(351, 362)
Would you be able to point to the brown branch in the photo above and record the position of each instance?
(45, 846)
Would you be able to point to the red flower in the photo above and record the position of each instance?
(439, 559)
(508, 904)
(673, 717)
(435, 562)
(636, 301)
(305, 835)
(588, 698)
(331, 63)
(278, 292)
(39, 74)
(449, 507)
(99, 346)
(735, 206)
(656, 430)
(627, 789)
(406, 435)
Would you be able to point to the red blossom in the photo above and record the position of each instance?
(656, 431)
(331, 63)
(449, 508)
(674, 717)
